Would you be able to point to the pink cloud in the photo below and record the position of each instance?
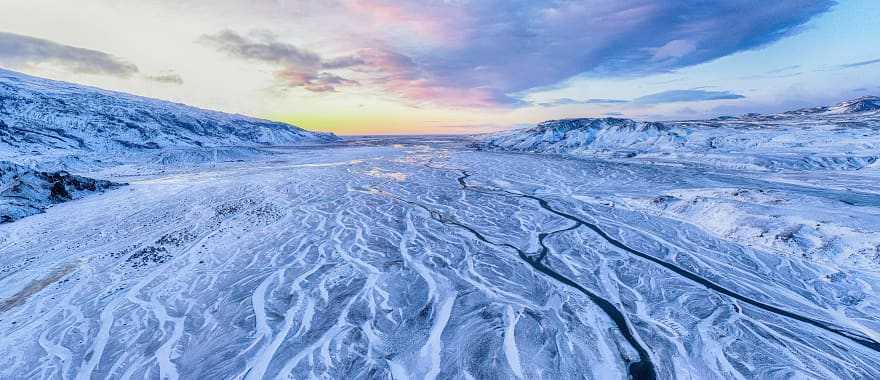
(485, 53)
(398, 74)
(433, 23)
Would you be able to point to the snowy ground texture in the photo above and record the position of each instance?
(425, 258)
(421, 259)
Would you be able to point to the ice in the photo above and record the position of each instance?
(294, 267)
(424, 257)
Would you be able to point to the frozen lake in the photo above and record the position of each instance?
(420, 257)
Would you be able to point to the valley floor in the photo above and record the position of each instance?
(422, 258)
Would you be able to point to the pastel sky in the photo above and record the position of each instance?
(454, 66)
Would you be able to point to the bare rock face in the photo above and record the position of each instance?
(25, 192)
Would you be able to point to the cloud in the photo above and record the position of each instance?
(569, 101)
(860, 63)
(313, 81)
(266, 49)
(671, 96)
(296, 67)
(19, 50)
(168, 77)
(675, 96)
(392, 72)
(673, 50)
(783, 69)
(782, 72)
(504, 47)
(489, 53)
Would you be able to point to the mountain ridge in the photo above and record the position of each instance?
(38, 115)
(842, 136)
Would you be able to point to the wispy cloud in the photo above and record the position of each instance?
(860, 63)
(482, 54)
(782, 72)
(783, 69)
(19, 50)
(167, 77)
(504, 47)
(569, 101)
(297, 67)
(675, 96)
(671, 96)
(311, 80)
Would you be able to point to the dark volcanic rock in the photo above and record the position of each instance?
(25, 191)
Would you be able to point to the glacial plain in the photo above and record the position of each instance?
(148, 239)
(422, 258)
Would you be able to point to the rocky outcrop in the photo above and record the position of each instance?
(25, 192)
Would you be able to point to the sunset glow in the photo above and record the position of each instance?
(402, 67)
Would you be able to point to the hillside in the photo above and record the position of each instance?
(843, 136)
(39, 116)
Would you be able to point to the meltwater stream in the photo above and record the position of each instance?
(355, 261)
(853, 336)
(641, 369)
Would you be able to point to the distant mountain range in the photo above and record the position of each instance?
(857, 105)
(842, 136)
(39, 115)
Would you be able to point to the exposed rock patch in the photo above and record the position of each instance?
(25, 191)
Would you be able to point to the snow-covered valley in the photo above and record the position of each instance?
(425, 257)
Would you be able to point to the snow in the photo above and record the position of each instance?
(842, 137)
(810, 227)
(43, 120)
(293, 266)
(425, 258)
(833, 147)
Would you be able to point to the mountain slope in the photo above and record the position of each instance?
(845, 136)
(39, 115)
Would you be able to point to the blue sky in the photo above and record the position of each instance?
(395, 66)
(827, 59)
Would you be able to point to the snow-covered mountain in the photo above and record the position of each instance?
(25, 192)
(40, 115)
(49, 128)
(862, 104)
(844, 136)
(857, 105)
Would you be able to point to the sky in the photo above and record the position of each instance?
(454, 66)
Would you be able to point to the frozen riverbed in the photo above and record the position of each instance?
(420, 258)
